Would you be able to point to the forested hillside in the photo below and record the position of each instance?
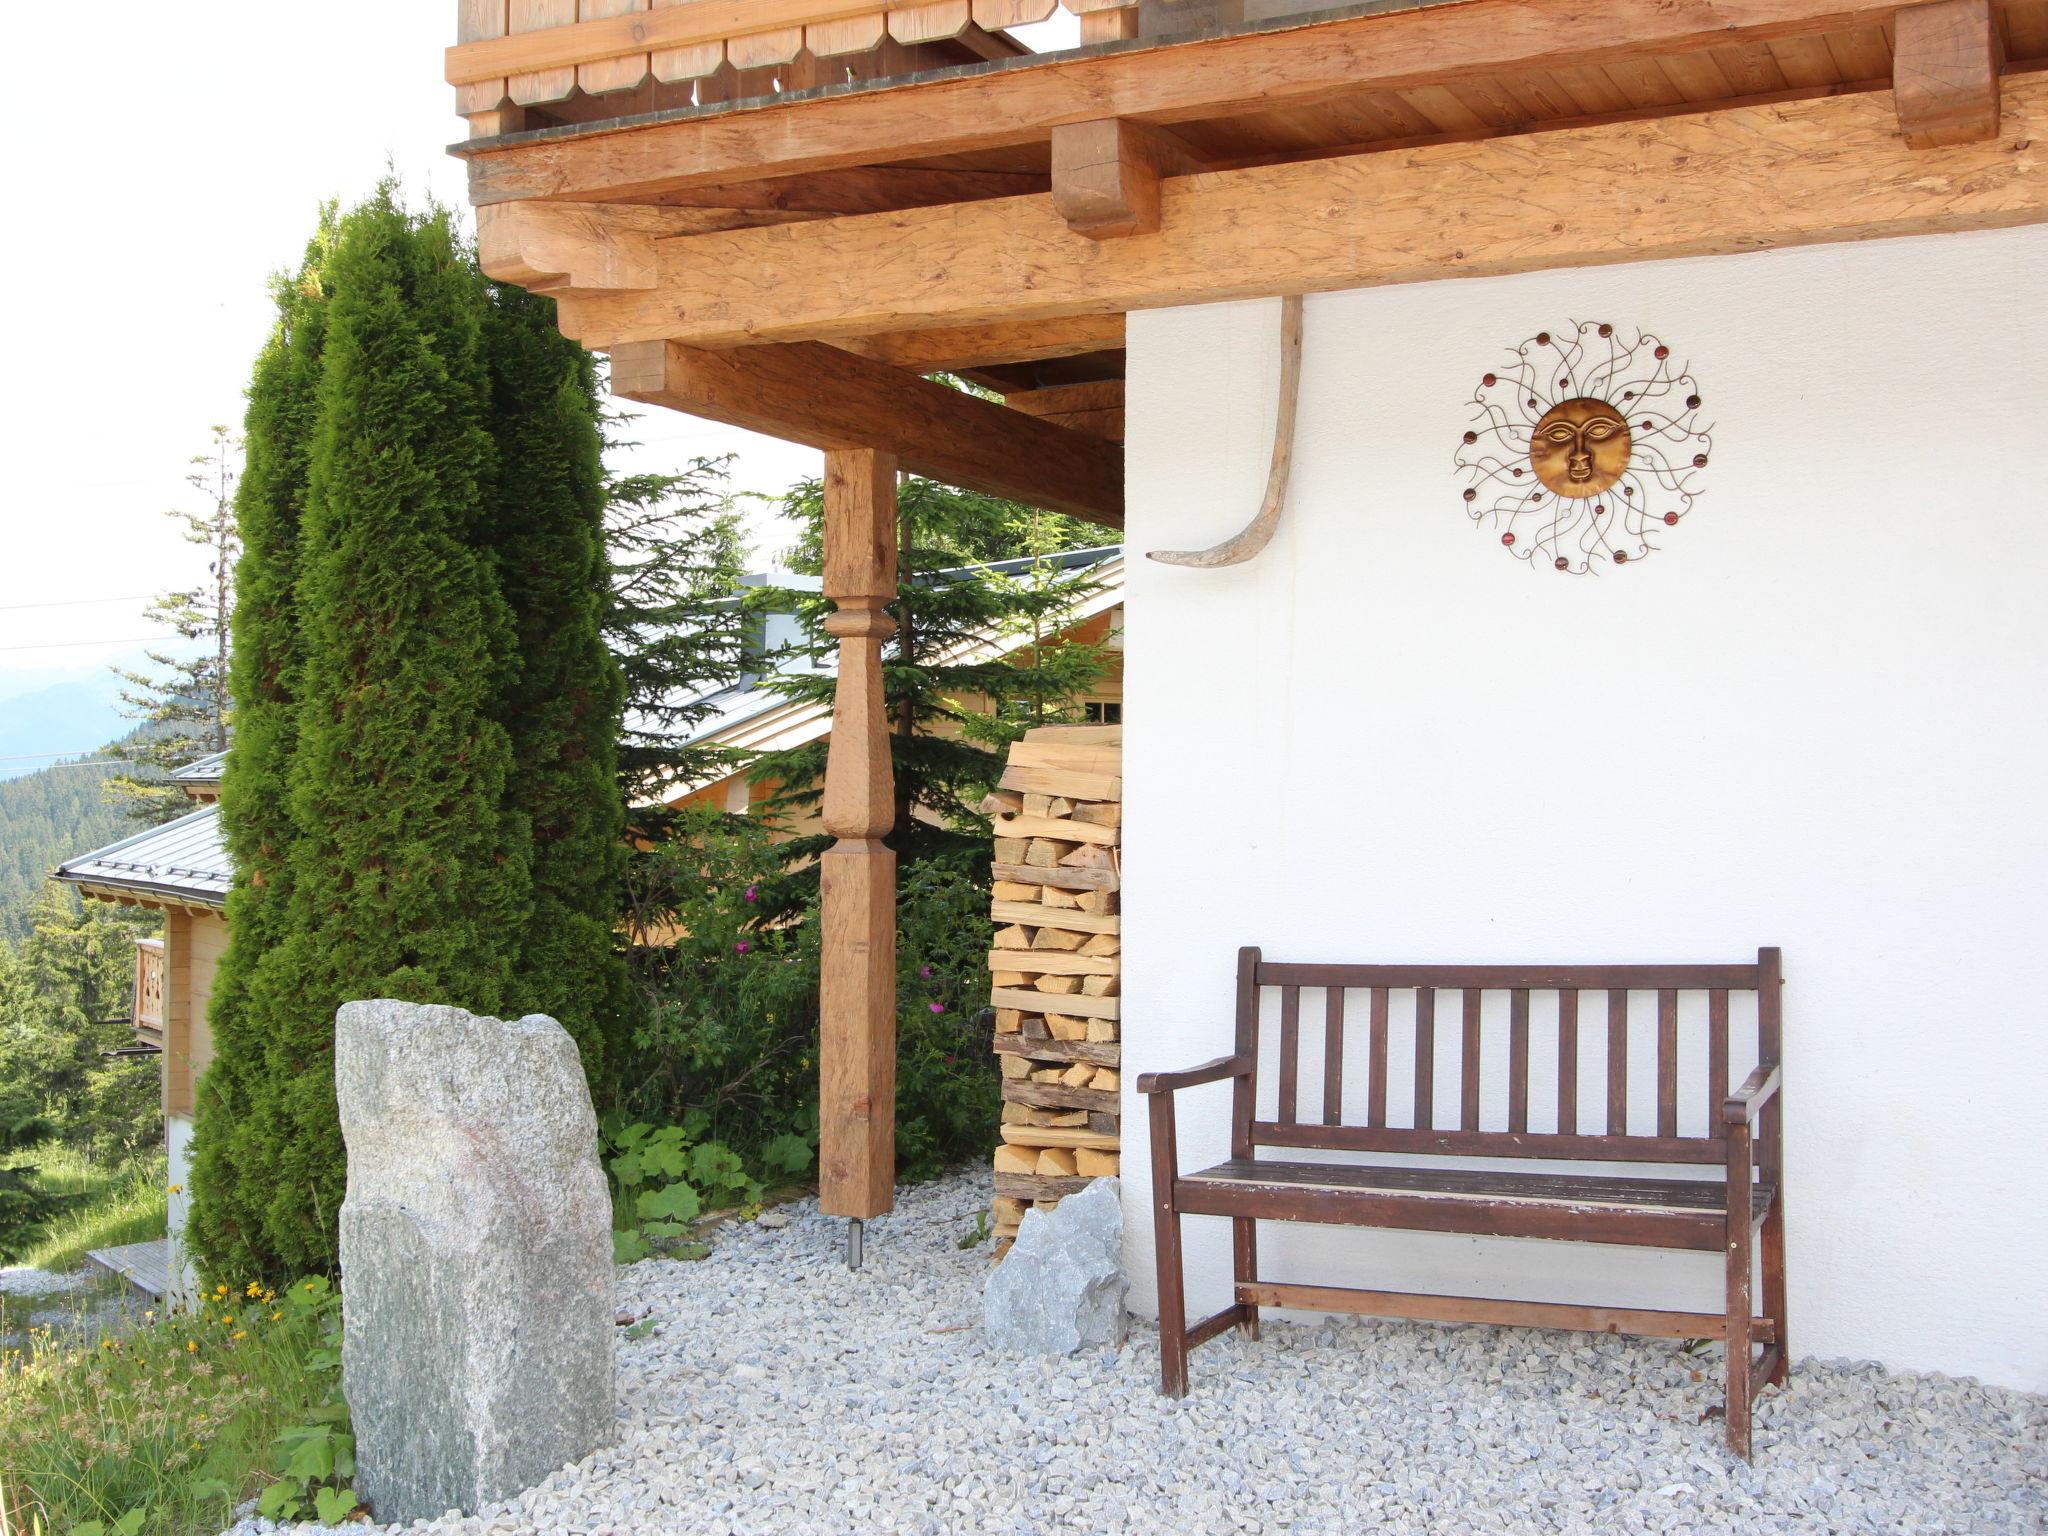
(46, 817)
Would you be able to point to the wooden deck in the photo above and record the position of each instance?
(146, 1266)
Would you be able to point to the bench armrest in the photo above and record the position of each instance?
(1208, 1072)
(1745, 1101)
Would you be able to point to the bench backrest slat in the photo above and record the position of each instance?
(1313, 1114)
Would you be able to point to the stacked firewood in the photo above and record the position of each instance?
(1056, 966)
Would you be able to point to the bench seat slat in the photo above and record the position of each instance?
(1660, 1213)
(1588, 1149)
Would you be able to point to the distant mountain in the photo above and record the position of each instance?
(71, 716)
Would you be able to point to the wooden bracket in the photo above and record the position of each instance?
(1945, 70)
(1258, 533)
(1106, 175)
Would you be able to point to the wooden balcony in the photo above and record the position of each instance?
(149, 992)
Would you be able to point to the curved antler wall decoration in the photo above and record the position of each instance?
(1585, 447)
(1258, 533)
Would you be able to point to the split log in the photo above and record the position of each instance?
(1011, 1159)
(1096, 1163)
(1011, 850)
(1079, 784)
(1035, 1136)
(1053, 896)
(1098, 880)
(1040, 854)
(1016, 1066)
(1108, 813)
(1012, 890)
(1013, 937)
(1062, 1050)
(1033, 914)
(1098, 986)
(1056, 827)
(1085, 1007)
(1053, 1162)
(1081, 1075)
(1056, 984)
(1101, 901)
(1103, 943)
(1058, 938)
(1100, 1030)
(1063, 1028)
(1107, 1079)
(1035, 806)
(1088, 856)
(1008, 1021)
(1058, 961)
(1037, 1188)
(1000, 802)
(1046, 1096)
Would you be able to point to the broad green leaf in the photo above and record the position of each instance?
(668, 1159)
(787, 1153)
(629, 1248)
(676, 1202)
(331, 1506)
(129, 1523)
(280, 1501)
(313, 1458)
(695, 1123)
(641, 1329)
(627, 1169)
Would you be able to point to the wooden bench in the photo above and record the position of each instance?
(1734, 1152)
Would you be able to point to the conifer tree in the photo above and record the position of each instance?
(546, 524)
(235, 1149)
(186, 699)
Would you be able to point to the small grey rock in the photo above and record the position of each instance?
(1061, 1286)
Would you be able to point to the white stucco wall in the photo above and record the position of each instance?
(178, 1149)
(1815, 719)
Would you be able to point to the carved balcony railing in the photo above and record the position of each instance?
(520, 64)
(149, 992)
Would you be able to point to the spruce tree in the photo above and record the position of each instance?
(546, 525)
(236, 1148)
(186, 699)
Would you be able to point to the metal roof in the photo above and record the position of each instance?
(182, 861)
(207, 770)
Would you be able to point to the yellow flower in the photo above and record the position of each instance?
(227, 1319)
(220, 1291)
(191, 1346)
(238, 1334)
(277, 1317)
(252, 1290)
(177, 1189)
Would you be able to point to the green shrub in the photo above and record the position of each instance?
(730, 1032)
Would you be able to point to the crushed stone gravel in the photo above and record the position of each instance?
(780, 1395)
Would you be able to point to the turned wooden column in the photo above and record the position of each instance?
(857, 993)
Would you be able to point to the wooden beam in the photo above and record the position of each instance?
(829, 399)
(1945, 70)
(857, 875)
(948, 349)
(1796, 173)
(1106, 175)
(1173, 80)
(593, 247)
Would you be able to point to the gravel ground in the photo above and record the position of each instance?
(779, 1394)
(84, 1303)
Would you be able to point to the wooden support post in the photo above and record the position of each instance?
(1945, 73)
(857, 982)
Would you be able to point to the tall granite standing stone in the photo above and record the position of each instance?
(476, 1257)
(1061, 1286)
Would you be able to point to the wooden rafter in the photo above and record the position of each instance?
(1797, 173)
(830, 399)
(949, 349)
(1175, 81)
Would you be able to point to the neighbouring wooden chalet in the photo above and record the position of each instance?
(181, 870)
(752, 718)
(1647, 570)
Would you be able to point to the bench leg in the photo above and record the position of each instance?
(1244, 1255)
(1774, 1286)
(1738, 1327)
(1173, 1300)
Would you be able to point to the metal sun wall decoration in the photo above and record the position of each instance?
(1586, 446)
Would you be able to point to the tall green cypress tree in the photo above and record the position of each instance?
(545, 521)
(234, 1149)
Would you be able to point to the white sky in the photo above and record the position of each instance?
(161, 176)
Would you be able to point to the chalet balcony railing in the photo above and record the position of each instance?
(149, 991)
(535, 63)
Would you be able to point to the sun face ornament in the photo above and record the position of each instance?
(1585, 448)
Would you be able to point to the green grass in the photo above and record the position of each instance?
(178, 1418)
(119, 1206)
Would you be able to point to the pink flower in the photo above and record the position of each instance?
(751, 893)
(924, 972)
(743, 946)
(938, 1007)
